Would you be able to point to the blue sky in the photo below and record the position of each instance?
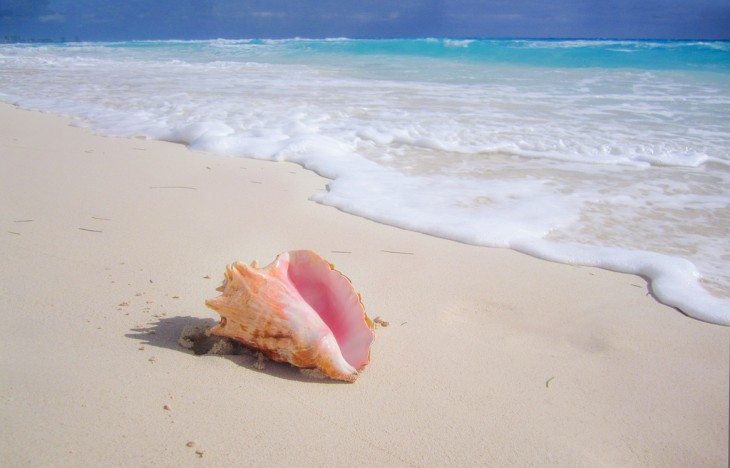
(236, 19)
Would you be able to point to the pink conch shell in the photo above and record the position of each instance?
(298, 309)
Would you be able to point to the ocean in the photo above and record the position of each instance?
(607, 153)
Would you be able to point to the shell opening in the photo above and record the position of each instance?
(331, 296)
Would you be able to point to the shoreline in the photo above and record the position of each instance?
(491, 354)
(562, 194)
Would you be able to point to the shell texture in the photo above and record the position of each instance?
(298, 309)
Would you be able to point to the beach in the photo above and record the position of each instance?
(111, 246)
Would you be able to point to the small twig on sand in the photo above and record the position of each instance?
(396, 252)
(90, 230)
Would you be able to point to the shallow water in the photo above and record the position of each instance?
(606, 153)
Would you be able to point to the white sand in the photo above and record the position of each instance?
(491, 357)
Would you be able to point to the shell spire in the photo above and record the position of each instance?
(298, 309)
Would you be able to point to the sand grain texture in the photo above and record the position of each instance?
(490, 357)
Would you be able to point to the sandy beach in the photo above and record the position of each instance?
(110, 247)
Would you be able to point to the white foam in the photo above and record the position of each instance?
(673, 281)
(458, 42)
(621, 169)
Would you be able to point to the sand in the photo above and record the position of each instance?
(110, 246)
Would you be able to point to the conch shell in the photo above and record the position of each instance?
(298, 309)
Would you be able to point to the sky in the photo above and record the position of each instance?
(107, 20)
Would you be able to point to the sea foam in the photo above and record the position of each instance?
(613, 154)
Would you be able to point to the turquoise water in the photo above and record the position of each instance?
(607, 153)
(649, 55)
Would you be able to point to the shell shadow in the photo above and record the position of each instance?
(167, 332)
